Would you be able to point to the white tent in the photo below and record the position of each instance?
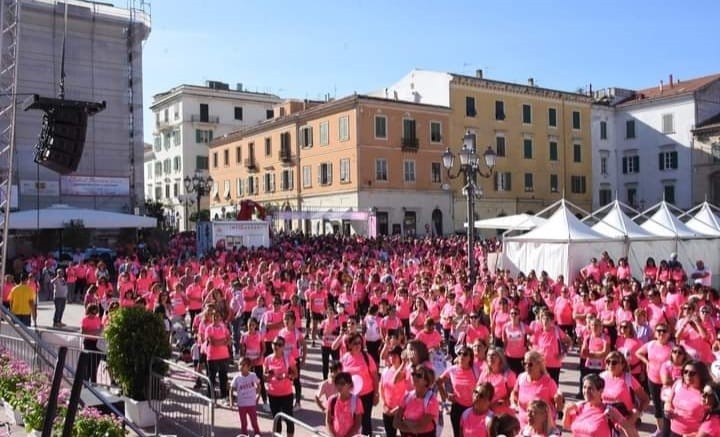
(704, 220)
(561, 245)
(60, 216)
(522, 222)
(665, 224)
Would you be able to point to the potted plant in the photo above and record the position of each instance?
(90, 423)
(134, 337)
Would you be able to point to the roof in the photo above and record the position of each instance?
(516, 84)
(677, 88)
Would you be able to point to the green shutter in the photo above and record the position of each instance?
(674, 160)
(198, 136)
(661, 161)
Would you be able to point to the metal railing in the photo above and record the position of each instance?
(301, 424)
(178, 407)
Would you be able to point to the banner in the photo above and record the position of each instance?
(94, 186)
(40, 188)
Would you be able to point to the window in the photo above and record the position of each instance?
(203, 136)
(603, 165)
(269, 182)
(148, 170)
(226, 189)
(668, 125)
(503, 181)
(324, 133)
(226, 157)
(240, 187)
(500, 146)
(307, 176)
(238, 155)
(204, 112)
(528, 182)
(435, 173)
(285, 144)
(603, 130)
(553, 183)
(286, 182)
(669, 193)
(470, 107)
(553, 153)
(158, 193)
(435, 131)
(176, 137)
(165, 115)
(252, 185)
(632, 196)
(158, 168)
(269, 113)
(668, 160)
(177, 164)
(409, 171)
(344, 170)
(577, 184)
(201, 163)
(238, 113)
(380, 126)
(527, 148)
(158, 143)
(167, 166)
(552, 117)
(499, 110)
(577, 153)
(167, 186)
(715, 152)
(325, 173)
(604, 196)
(630, 164)
(343, 129)
(167, 139)
(381, 171)
(409, 129)
(176, 112)
(306, 137)
(630, 129)
(215, 159)
(576, 120)
(527, 114)
(268, 146)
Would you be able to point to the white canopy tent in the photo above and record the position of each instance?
(703, 219)
(561, 245)
(521, 222)
(61, 216)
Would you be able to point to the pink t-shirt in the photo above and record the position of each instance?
(473, 424)
(278, 384)
(217, 331)
(343, 415)
(415, 409)
(544, 388)
(688, 409)
(392, 392)
(363, 365)
(431, 339)
(503, 384)
(657, 354)
(91, 324)
(546, 342)
(253, 347)
(515, 344)
(618, 389)
(711, 426)
(590, 421)
(463, 382)
(628, 347)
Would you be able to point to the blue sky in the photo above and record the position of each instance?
(305, 49)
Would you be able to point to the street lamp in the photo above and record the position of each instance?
(200, 186)
(187, 200)
(470, 169)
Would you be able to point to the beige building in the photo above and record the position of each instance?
(359, 164)
(541, 137)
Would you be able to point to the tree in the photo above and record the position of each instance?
(155, 209)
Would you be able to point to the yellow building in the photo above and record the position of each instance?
(541, 136)
(359, 164)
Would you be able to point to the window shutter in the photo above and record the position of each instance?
(310, 137)
(320, 168)
(291, 178)
(272, 182)
(661, 161)
(674, 160)
(329, 173)
(636, 162)
(624, 164)
(508, 182)
(198, 136)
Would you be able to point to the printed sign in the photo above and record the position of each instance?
(40, 188)
(94, 186)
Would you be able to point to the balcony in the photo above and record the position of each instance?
(285, 154)
(162, 125)
(250, 164)
(197, 118)
(409, 144)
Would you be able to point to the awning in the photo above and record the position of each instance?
(61, 216)
(521, 222)
(320, 215)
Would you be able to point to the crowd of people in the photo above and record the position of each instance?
(398, 322)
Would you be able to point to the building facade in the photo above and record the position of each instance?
(103, 62)
(187, 119)
(644, 142)
(706, 161)
(359, 164)
(542, 138)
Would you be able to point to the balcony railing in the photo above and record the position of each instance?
(250, 164)
(410, 143)
(162, 124)
(196, 118)
(285, 154)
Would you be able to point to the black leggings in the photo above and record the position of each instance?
(328, 353)
(390, 430)
(456, 411)
(296, 382)
(218, 368)
(373, 349)
(367, 401)
(261, 377)
(282, 404)
(658, 404)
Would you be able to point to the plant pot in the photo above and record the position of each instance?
(34, 433)
(139, 413)
(14, 416)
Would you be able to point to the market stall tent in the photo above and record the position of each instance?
(517, 221)
(61, 216)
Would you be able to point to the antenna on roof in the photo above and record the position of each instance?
(61, 93)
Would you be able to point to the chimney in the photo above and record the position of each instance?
(479, 73)
(531, 81)
(661, 87)
(671, 81)
(590, 92)
(239, 86)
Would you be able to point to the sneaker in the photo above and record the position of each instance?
(297, 406)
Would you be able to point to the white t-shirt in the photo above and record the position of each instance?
(245, 386)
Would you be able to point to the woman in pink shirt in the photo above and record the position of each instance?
(710, 426)
(474, 421)
(502, 379)
(279, 374)
(628, 344)
(535, 383)
(92, 326)
(622, 390)
(499, 318)
(252, 348)
(419, 411)
(691, 333)
(514, 337)
(217, 336)
(463, 377)
(429, 335)
(654, 353)
(547, 342)
(592, 418)
(685, 406)
(345, 410)
(392, 389)
(360, 363)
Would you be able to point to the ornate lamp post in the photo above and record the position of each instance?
(200, 186)
(470, 169)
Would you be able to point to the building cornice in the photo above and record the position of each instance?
(514, 88)
(176, 93)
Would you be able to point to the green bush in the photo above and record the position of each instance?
(134, 337)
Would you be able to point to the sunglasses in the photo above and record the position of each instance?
(528, 363)
(356, 343)
(278, 345)
(418, 375)
(612, 362)
(661, 331)
(514, 313)
(689, 372)
(465, 353)
(678, 351)
(624, 326)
